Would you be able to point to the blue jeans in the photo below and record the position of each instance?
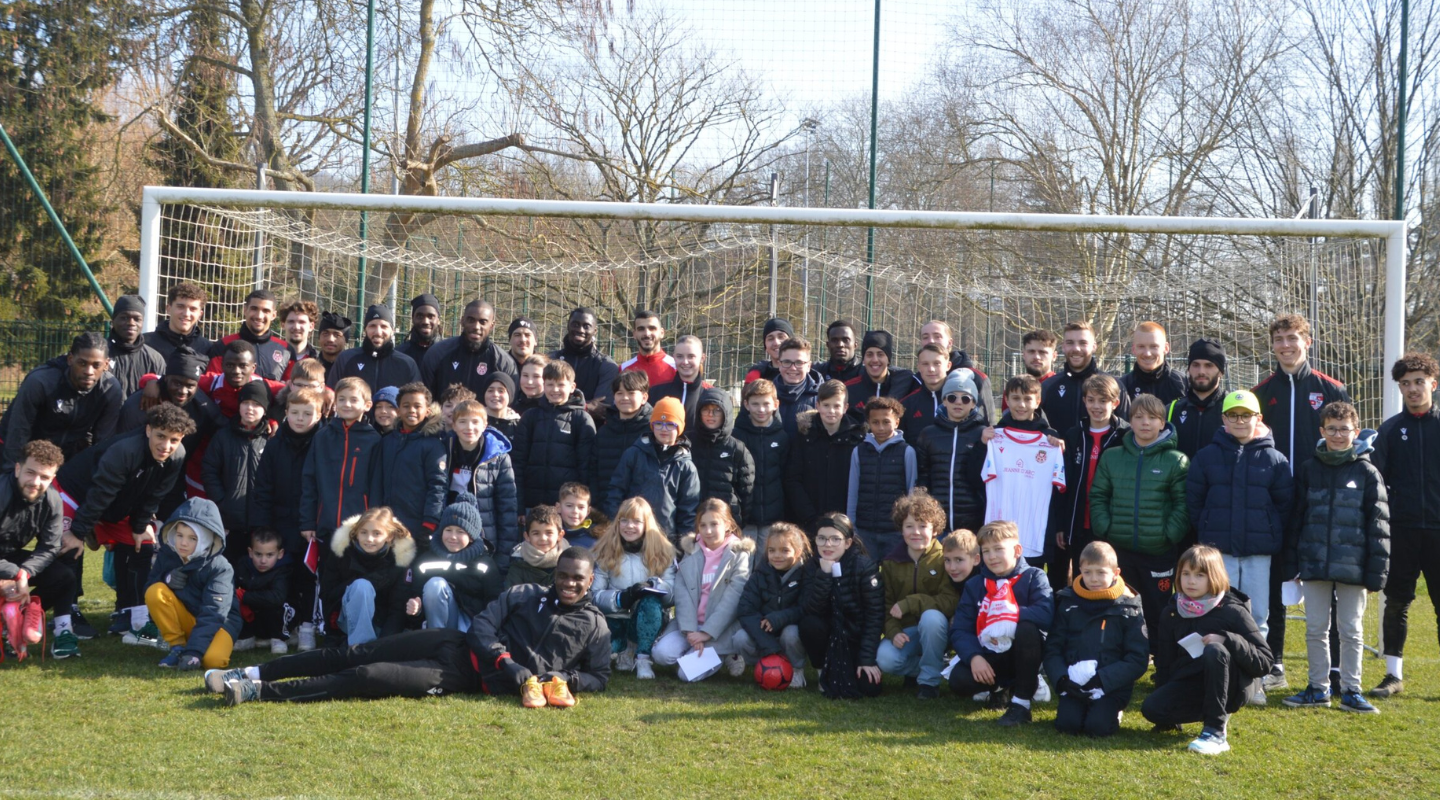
(442, 611)
(1251, 575)
(923, 656)
(357, 612)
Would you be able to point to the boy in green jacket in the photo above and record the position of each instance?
(919, 595)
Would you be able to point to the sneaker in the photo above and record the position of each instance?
(32, 625)
(172, 659)
(735, 665)
(215, 679)
(531, 695)
(625, 661)
(923, 693)
(119, 623)
(999, 700)
(1210, 742)
(1015, 715)
(1312, 697)
(278, 647)
(557, 693)
(148, 636)
(1275, 681)
(1042, 692)
(1356, 703)
(65, 645)
(241, 645)
(307, 637)
(1389, 687)
(797, 681)
(980, 697)
(644, 668)
(81, 626)
(1258, 697)
(241, 690)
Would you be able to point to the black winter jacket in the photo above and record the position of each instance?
(411, 476)
(1061, 396)
(47, 407)
(205, 584)
(840, 372)
(491, 482)
(594, 371)
(1109, 632)
(796, 400)
(472, 574)
(922, 408)
(129, 362)
(1340, 530)
(855, 598)
(1290, 406)
(727, 472)
(378, 367)
(774, 596)
(450, 361)
(769, 449)
(387, 571)
(165, 341)
(555, 445)
(612, 440)
(948, 461)
(687, 393)
(1240, 495)
(1407, 453)
(670, 485)
(1070, 509)
(269, 589)
(416, 349)
(116, 479)
(1250, 654)
(1196, 420)
(1165, 383)
(335, 483)
(273, 355)
(275, 501)
(860, 389)
(529, 624)
(818, 478)
(41, 522)
(230, 466)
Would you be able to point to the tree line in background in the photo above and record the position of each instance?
(1065, 106)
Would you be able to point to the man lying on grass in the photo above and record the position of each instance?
(542, 643)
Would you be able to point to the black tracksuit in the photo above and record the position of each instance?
(451, 361)
(817, 480)
(594, 371)
(769, 449)
(688, 393)
(410, 664)
(129, 362)
(378, 367)
(860, 390)
(1062, 397)
(1210, 688)
(416, 348)
(829, 370)
(164, 341)
(727, 472)
(230, 464)
(262, 597)
(48, 407)
(1196, 420)
(273, 355)
(1109, 632)
(53, 577)
(1164, 383)
(842, 622)
(1407, 453)
(542, 637)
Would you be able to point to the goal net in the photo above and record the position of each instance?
(720, 272)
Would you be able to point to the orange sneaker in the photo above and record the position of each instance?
(34, 621)
(557, 693)
(531, 696)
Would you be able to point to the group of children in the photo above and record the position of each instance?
(358, 514)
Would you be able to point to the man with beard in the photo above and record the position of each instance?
(1061, 395)
(939, 334)
(31, 510)
(184, 306)
(1196, 416)
(424, 328)
(273, 356)
(522, 339)
(130, 357)
(470, 358)
(298, 320)
(776, 332)
(334, 329)
(1151, 373)
(650, 357)
(840, 340)
(375, 360)
(72, 401)
(593, 369)
(1037, 350)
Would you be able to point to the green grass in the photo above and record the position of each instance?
(112, 724)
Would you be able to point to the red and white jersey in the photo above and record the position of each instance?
(1021, 469)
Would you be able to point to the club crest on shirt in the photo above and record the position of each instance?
(482, 368)
(277, 356)
(1316, 400)
(1040, 456)
(1062, 390)
(454, 365)
(360, 366)
(1183, 415)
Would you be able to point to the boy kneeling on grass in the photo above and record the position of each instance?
(501, 654)
(190, 593)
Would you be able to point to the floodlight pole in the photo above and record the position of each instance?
(874, 126)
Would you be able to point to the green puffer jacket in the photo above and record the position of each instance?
(1137, 501)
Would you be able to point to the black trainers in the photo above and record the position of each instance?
(1015, 715)
(927, 692)
(999, 700)
(80, 626)
(1389, 687)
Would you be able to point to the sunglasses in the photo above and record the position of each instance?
(961, 399)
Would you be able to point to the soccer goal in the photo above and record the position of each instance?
(720, 271)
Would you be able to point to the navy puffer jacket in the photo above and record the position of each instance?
(552, 447)
(1240, 495)
(727, 472)
(492, 487)
(770, 451)
(205, 584)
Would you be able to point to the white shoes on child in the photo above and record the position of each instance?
(306, 636)
(644, 668)
(278, 647)
(797, 681)
(625, 662)
(735, 665)
(1042, 692)
(248, 643)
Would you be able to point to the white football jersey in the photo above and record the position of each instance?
(1021, 469)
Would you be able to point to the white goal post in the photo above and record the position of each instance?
(1393, 233)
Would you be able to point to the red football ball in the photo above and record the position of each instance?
(773, 673)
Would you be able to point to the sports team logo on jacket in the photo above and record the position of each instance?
(482, 368)
(1316, 400)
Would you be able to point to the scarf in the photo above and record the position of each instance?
(1192, 609)
(119, 348)
(1334, 458)
(630, 547)
(999, 614)
(246, 335)
(1115, 592)
(542, 560)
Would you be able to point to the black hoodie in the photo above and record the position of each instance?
(129, 362)
(48, 407)
(1063, 400)
(727, 471)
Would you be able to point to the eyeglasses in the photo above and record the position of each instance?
(785, 362)
(1338, 431)
(1239, 417)
(829, 540)
(666, 426)
(961, 399)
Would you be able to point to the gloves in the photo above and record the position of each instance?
(516, 672)
(1093, 683)
(629, 597)
(1069, 687)
(188, 663)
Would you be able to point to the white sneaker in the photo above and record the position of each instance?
(625, 662)
(644, 668)
(307, 636)
(797, 681)
(278, 647)
(247, 643)
(735, 665)
(1275, 680)
(981, 697)
(1042, 692)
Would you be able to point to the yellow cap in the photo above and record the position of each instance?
(1241, 399)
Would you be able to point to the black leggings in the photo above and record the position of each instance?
(1209, 697)
(1019, 667)
(815, 638)
(410, 664)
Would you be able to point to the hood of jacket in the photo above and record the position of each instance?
(1166, 441)
(1263, 439)
(432, 426)
(721, 398)
(493, 444)
(808, 423)
(340, 541)
(200, 514)
(575, 402)
(738, 544)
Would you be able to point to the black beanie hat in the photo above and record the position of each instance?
(776, 324)
(502, 378)
(255, 392)
(379, 311)
(330, 321)
(423, 300)
(518, 323)
(1208, 350)
(881, 339)
(130, 302)
(185, 362)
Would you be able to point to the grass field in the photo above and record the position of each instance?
(112, 724)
